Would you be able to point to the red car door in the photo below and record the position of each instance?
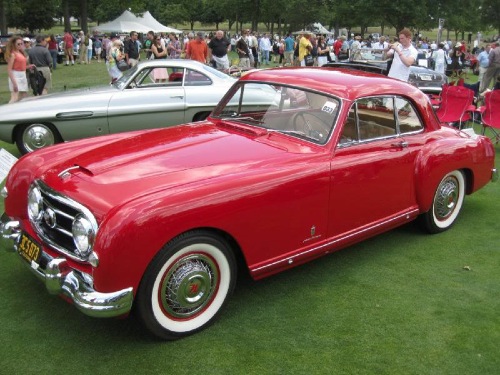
(372, 171)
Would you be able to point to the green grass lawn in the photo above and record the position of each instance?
(404, 302)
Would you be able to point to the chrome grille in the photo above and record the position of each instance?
(55, 223)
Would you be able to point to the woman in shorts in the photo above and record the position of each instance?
(16, 69)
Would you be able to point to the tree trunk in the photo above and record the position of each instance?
(66, 16)
(3, 17)
(84, 16)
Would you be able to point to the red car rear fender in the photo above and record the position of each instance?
(439, 158)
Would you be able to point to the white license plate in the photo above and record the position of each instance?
(426, 78)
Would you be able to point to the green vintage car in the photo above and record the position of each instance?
(138, 100)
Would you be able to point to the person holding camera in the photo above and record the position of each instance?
(405, 55)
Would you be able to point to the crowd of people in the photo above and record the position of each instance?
(253, 50)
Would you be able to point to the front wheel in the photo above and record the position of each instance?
(32, 137)
(447, 203)
(186, 285)
(200, 116)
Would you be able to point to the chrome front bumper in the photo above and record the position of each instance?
(59, 278)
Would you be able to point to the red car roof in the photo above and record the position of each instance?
(345, 83)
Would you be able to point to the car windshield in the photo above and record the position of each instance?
(216, 72)
(371, 55)
(292, 111)
(121, 82)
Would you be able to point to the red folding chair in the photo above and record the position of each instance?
(490, 114)
(436, 98)
(456, 105)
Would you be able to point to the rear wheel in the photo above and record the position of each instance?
(186, 285)
(35, 136)
(447, 203)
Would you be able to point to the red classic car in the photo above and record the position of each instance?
(163, 219)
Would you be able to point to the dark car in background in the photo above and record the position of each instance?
(373, 60)
(3, 45)
(60, 50)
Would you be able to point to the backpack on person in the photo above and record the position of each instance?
(276, 48)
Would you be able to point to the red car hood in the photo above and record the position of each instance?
(118, 168)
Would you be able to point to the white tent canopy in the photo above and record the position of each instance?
(156, 26)
(315, 28)
(128, 22)
(318, 28)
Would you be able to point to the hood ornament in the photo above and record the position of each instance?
(65, 174)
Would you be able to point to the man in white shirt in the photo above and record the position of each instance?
(405, 56)
(265, 47)
(251, 41)
(381, 44)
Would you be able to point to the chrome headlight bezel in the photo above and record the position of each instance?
(84, 232)
(57, 218)
(35, 204)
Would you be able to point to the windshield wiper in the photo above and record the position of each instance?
(243, 118)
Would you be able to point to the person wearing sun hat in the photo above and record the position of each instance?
(27, 44)
(456, 55)
(356, 48)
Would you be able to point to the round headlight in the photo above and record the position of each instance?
(35, 203)
(83, 235)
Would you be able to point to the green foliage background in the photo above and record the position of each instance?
(276, 15)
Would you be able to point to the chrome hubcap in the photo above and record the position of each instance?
(446, 198)
(189, 286)
(37, 136)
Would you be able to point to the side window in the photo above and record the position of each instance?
(376, 118)
(156, 77)
(407, 117)
(350, 130)
(194, 78)
(175, 76)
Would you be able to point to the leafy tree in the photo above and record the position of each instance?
(3, 17)
(490, 14)
(31, 15)
(213, 13)
(104, 11)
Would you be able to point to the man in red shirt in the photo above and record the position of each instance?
(197, 49)
(337, 46)
(68, 47)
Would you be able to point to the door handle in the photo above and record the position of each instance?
(401, 144)
(178, 96)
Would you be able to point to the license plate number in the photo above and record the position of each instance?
(426, 78)
(29, 249)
